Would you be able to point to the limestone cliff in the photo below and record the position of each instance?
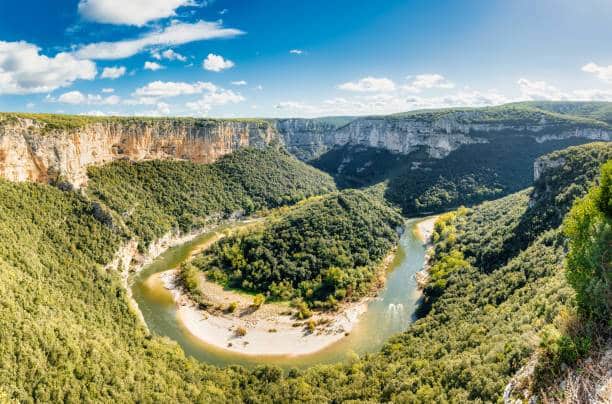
(50, 147)
(438, 133)
(31, 150)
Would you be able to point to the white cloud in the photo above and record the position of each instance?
(216, 63)
(176, 33)
(152, 66)
(296, 52)
(388, 103)
(113, 72)
(161, 109)
(161, 89)
(224, 11)
(258, 87)
(592, 95)
(239, 83)
(539, 90)
(131, 12)
(172, 55)
(108, 90)
(369, 84)
(427, 81)
(214, 98)
(142, 101)
(76, 97)
(168, 54)
(23, 70)
(72, 97)
(30, 105)
(602, 72)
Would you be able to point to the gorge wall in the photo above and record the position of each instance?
(35, 149)
(31, 151)
(437, 135)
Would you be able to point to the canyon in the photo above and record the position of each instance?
(32, 148)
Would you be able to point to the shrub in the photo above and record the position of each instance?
(258, 300)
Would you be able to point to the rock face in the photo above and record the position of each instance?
(438, 135)
(30, 152)
(545, 163)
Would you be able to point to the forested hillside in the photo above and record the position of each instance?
(323, 250)
(419, 184)
(159, 196)
(69, 335)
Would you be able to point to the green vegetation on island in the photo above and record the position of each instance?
(322, 250)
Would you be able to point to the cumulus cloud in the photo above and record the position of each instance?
(239, 83)
(23, 70)
(164, 89)
(592, 95)
(108, 90)
(152, 66)
(161, 109)
(170, 55)
(72, 97)
(426, 81)
(388, 103)
(369, 84)
(296, 52)
(113, 72)
(212, 99)
(211, 95)
(132, 12)
(176, 33)
(76, 97)
(602, 72)
(216, 63)
(539, 90)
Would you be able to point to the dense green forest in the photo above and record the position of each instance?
(473, 173)
(70, 335)
(155, 197)
(420, 184)
(322, 250)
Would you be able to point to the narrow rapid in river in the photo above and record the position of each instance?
(388, 314)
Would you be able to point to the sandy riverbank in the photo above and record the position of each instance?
(273, 329)
(270, 330)
(424, 231)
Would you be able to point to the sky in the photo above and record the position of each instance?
(264, 58)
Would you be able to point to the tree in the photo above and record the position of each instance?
(589, 269)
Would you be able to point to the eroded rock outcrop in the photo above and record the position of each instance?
(439, 134)
(29, 150)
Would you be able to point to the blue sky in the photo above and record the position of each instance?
(268, 58)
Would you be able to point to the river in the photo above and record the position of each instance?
(390, 313)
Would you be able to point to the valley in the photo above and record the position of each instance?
(379, 317)
(259, 239)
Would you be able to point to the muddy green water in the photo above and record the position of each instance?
(390, 313)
